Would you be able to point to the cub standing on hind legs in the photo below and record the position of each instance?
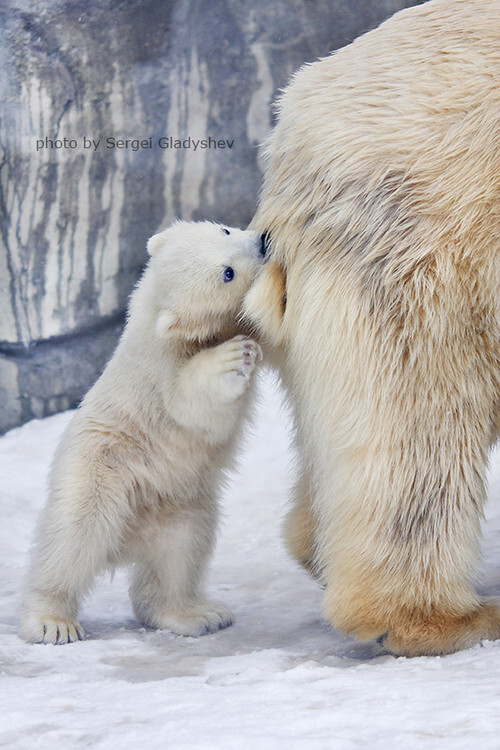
(136, 475)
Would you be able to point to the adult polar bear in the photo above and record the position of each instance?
(382, 203)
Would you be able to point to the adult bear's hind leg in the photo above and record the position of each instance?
(300, 526)
(402, 553)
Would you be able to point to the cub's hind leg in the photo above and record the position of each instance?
(166, 588)
(80, 534)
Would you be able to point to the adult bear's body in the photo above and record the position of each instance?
(382, 202)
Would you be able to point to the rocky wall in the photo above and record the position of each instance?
(117, 117)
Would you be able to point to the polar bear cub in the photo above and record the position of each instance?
(137, 471)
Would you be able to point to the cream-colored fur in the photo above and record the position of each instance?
(136, 475)
(382, 203)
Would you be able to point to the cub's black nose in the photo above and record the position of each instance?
(264, 240)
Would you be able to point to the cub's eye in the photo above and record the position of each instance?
(228, 273)
(226, 231)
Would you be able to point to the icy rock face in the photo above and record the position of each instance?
(190, 85)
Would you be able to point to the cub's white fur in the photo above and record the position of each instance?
(136, 475)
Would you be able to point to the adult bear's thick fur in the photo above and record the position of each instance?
(382, 202)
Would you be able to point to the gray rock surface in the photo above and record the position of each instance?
(76, 209)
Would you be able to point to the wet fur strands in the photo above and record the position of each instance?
(382, 203)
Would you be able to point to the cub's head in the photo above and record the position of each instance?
(199, 274)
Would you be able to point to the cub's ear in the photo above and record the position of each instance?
(155, 242)
(166, 323)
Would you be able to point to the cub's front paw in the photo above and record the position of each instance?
(50, 630)
(196, 619)
(237, 359)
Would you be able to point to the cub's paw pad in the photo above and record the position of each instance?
(199, 619)
(238, 358)
(51, 630)
(251, 354)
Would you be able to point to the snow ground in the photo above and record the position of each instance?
(279, 678)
